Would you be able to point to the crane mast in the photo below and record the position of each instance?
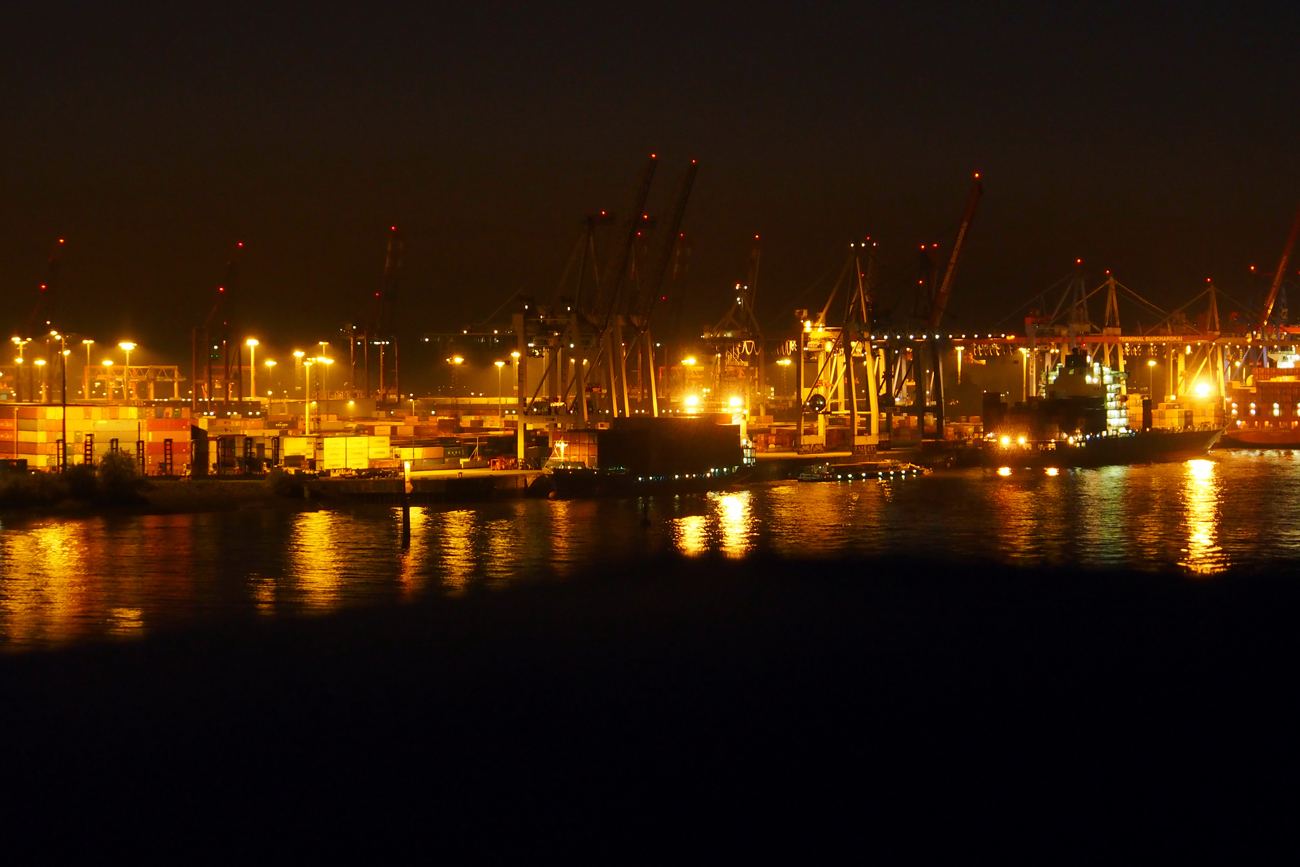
(944, 292)
(1267, 310)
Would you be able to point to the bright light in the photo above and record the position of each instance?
(298, 353)
(1202, 389)
(1004, 471)
(126, 346)
(1021, 441)
(1006, 441)
(692, 400)
(1052, 471)
(735, 401)
(501, 364)
(515, 355)
(252, 341)
(108, 362)
(457, 360)
(688, 361)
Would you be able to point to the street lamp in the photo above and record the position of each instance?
(270, 371)
(126, 346)
(40, 364)
(1024, 374)
(63, 398)
(108, 379)
(455, 361)
(306, 391)
(251, 343)
(1151, 372)
(785, 373)
(324, 385)
(86, 382)
(499, 364)
(20, 343)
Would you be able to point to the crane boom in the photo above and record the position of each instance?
(945, 287)
(1267, 311)
(670, 241)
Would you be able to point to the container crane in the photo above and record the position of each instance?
(938, 304)
(221, 353)
(1271, 299)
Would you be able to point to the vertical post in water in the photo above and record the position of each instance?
(406, 505)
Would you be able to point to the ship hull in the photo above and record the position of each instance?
(1269, 438)
(1139, 448)
(582, 483)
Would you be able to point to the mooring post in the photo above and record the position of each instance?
(406, 504)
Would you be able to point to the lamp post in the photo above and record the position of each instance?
(251, 343)
(108, 379)
(270, 378)
(514, 389)
(324, 386)
(40, 365)
(1024, 374)
(306, 391)
(785, 374)
(499, 364)
(20, 343)
(63, 399)
(455, 361)
(126, 346)
(1151, 372)
(86, 383)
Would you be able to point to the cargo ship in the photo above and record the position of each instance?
(1265, 409)
(648, 456)
(1085, 419)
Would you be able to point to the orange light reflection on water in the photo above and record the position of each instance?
(457, 547)
(1201, 495)
(314, 558)
(44, 586)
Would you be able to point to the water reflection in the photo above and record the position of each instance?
(691, 534)
(414, 575)
(44, 589)
(735, 518)
(456, 543)
(1202, 555)
(316, 547)
(76, 580)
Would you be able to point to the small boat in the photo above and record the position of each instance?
(856, 472)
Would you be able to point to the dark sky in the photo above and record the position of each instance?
(1158, 140)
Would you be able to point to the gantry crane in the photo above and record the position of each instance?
(216, 353)
(928, 351)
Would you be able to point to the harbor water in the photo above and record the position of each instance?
(70, 581)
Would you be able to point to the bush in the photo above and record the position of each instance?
(82, 483)
(283, 484)
(24, 490)
(120, 481)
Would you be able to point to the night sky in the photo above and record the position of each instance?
(1158, 140)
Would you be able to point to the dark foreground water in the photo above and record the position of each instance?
(71, 581)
